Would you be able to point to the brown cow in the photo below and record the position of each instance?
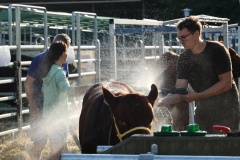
(113, 111)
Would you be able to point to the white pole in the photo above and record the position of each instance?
(191, 107)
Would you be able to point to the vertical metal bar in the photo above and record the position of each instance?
(18, 58)
(10, 25)
(45, 30)
(95, 34)
(98, 60)
(142, 41)
(142, 52)
(143, 60)
(225, 34)
(25, 34)
(113, 48)
(161, 41)
(191, 106)
(79, 48)
(97, 50)
(4, 36)
(170, 40)
(123, 45)
(154, 42)
(30, 35)
(73, 28)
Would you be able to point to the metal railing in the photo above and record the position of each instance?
(11, 96)
(141, 157)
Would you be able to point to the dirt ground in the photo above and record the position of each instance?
(18, 148)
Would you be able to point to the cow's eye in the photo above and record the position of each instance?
(121, 122)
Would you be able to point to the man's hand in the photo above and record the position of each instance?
(191, 96)
(170, 99)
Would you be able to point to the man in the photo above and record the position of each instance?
(33, 88)
(206, 66)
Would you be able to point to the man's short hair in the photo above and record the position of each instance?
(64, 38)
(191, 23)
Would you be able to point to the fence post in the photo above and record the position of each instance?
(79, 32)
(18, 72)
(98, 61)
(113, 51)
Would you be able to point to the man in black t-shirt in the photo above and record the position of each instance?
(207, 67)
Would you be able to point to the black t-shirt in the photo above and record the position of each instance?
(202, 70)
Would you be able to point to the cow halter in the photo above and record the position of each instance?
(120, 136)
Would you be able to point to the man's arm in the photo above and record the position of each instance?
(224, 84)
(174, 98)
(33, 108)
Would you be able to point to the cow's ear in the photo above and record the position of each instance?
(110, 98)
(153, 94)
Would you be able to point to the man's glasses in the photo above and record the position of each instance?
(182, 38)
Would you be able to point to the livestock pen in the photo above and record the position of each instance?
(31, 32)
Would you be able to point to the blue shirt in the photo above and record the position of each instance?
(35, 71)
